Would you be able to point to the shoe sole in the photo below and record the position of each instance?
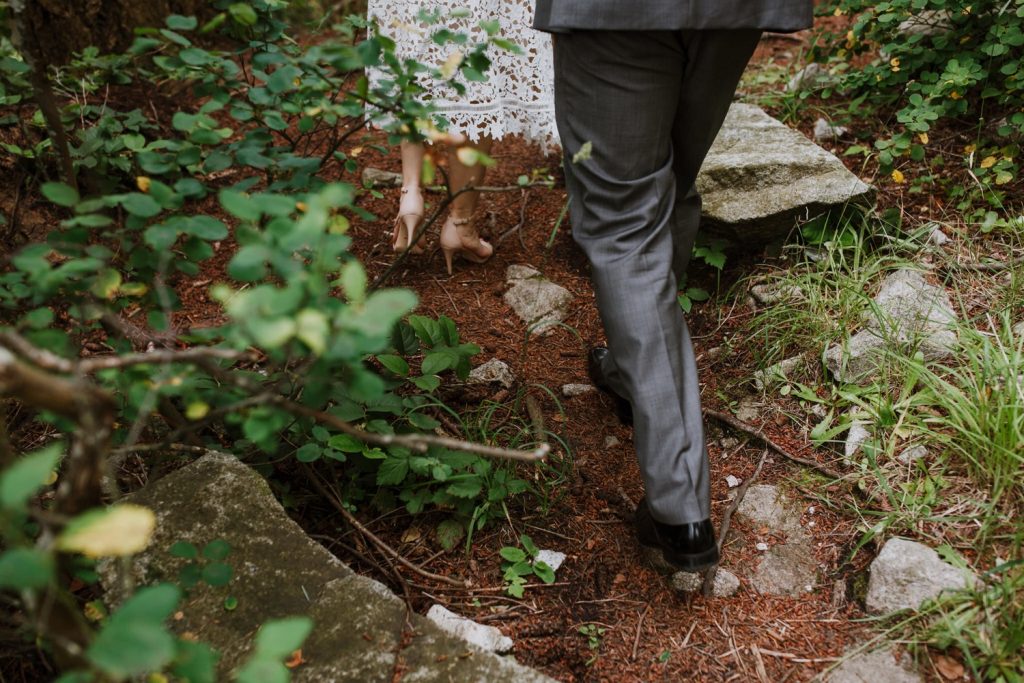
(695, 562)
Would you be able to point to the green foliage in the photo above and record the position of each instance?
(594, 635)
(935, 60)
(520, 563)
(256, 154)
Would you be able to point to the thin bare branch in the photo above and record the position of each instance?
(417, 442)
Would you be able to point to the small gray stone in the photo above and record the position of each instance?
(927, 23)
(937, 237)
(493, 370)
(907, 309)
(768, 294)
(687, 582)
(907, 573)
(873, 667)
(764, 505)
(725, 585)
(786, 569)
(825, 130)
(748, 409)
(780, 372)
(732, 482)
(727, 443)
(570, 390)
(375, 177)
(540, 303)
(611, 442)
(855, 438)
(909, 455)
(552, 558)
(812, 76)
(486, 638)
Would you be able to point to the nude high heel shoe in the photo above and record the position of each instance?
(410, 216)
(458, 237)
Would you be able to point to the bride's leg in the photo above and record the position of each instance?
(458, 235)
(410, 207)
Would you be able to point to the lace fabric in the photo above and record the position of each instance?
(518, 96)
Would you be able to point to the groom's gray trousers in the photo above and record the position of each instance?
(651, 104)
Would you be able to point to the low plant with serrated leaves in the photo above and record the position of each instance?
(519, 564)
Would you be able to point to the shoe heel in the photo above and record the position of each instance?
(448, 253)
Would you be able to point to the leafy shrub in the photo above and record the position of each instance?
(936, 60)
(304, 360)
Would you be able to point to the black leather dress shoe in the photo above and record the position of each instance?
(623, 408)
(689, 547)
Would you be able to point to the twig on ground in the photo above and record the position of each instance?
(381, 545)
(518, 226)
(630, 505)
(417, 442)
(723, 532)
(536, 419)
(755, 432)
(639, 628)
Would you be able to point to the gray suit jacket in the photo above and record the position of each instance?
(652, 15)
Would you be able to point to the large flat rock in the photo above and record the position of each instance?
(279, 572)
(761, 176)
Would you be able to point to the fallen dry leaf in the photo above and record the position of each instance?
(950, 669)
(294, 660)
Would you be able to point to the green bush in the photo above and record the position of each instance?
(934, 60)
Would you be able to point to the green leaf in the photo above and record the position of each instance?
(161, 236)
(217, 549)
(313, 329)
(249, 263)
(243, 13)
(309, 452)
(529, 545)
(141, 205)
(353, 281)
(544, 571)
(512, 554)
(515, 588)
(345, 443)
(466, 488)
(271, 334)
(27, 475)
(38, 319)
(449, 533)
(392, 471)
(23, 568)
(438, 361)
(427, 382)
(60, 194)
(134, 639)
(195, 663)
(263, 671)
(278, 639)
(184, 549)
(238, 204)
(395, 364)
(177, 22)
(217, 574)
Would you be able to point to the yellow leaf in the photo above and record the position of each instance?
(923, 137)
(969, 149)
(468, 156)
(301, 207)
(894, 63)
(143, 183)
(112, 532)
(838, 12)
(51, 479)
(897, 176)
(954, 95)
(197, 410)
(356, 151)
(988, 162)
(451, 65)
